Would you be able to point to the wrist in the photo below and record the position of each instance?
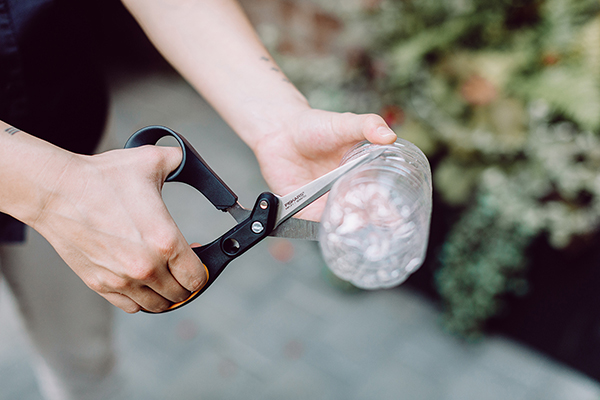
(30, 170)
(262, 118)
(52, 188)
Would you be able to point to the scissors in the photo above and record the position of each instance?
(270, 216)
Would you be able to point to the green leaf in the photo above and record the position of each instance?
(406, 57)
(570, 91)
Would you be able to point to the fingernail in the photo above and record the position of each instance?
(385, 132)
(199, 283)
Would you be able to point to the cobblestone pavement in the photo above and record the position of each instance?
(274, 326)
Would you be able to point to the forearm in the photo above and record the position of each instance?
(213, 45)
(29, 168)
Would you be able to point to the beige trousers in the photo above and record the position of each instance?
(69, 325)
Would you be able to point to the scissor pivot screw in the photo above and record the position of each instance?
(264, 204)
(257, 227)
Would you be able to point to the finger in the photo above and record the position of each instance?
(356, 127)
(173, 157)
(167, 286)
(150, 270)
(169, 266)
(123, 302)
(148, 299)
(136, 294)
(132, 295)
(129, 292)
(187, 269)
(166, 159)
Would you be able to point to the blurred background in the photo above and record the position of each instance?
(504, 99)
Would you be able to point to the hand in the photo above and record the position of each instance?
(106, 219)
(311, 143)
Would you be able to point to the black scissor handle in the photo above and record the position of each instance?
(193, 170)
(217, 255)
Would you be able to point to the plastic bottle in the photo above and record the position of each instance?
(375, 227)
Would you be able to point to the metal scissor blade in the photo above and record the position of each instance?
(296, 228)
(238, 212)
(295, 201)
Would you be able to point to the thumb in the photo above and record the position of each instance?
(170, 159)
(372, 127)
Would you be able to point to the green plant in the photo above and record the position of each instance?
(505, 96)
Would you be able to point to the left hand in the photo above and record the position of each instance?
(312, 143)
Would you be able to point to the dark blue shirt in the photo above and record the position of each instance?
(50, 85)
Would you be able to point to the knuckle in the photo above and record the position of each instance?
(338, 121)
(118, 284)
(151, 155)
(166, 245)
(133, 270)
(373, 119)
(158, 158)
(96, 284)
(150, 158)
(141, 272)
(108, 284)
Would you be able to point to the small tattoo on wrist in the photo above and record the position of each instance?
(11, 130)
(267, 59)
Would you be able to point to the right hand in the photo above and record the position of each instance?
(106, 218)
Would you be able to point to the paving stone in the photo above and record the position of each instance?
(430, 350)
(394, 381)
(276, 326)
(213, 376)
(515, 362)
(564, 383)
(482, 384)
(301, 382)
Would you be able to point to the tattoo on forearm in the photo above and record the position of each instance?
(275, 69)
(11, 130)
